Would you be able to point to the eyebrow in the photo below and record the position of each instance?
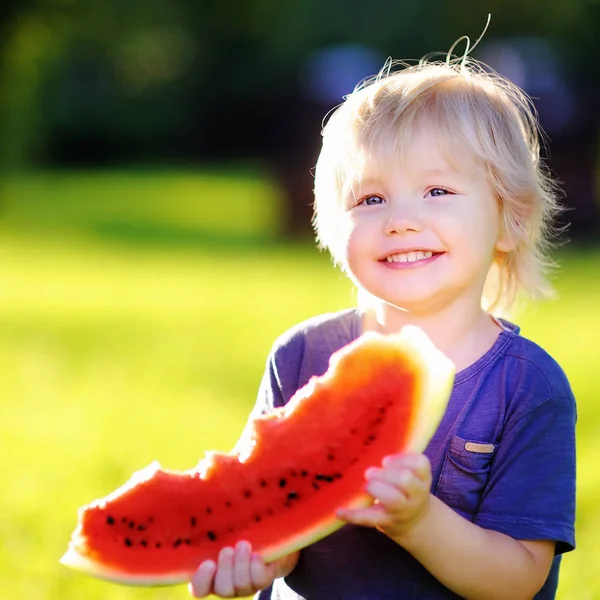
(375, 180)
(440, 171)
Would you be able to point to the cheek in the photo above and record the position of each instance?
(344, 241)
(478, 226)
(353, 251)
(349, 236)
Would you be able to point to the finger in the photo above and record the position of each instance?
(395, 475)
(261, 575)
(422, 468)
(390, 496)
(202, 581)
(402, 479)
(223, 585)
(418, 463)
(373, 473)
(241, 569)
(374, 516)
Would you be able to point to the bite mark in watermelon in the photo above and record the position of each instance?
(282, 484)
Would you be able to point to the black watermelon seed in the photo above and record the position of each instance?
(304, 473)
(188, 541)
(177, 542)
(144, 543)
(330, 456)
(128, 542)
(293, 496)
(131, 524)
(282, 482)
(316, 486)
(193, 521)
(110, 520)
(211, 535)
(228, 504)
(158, 544)
(141, 527)
(327, 478)
(208, 510)
(257, 518)
(247, 493)
(263, 483)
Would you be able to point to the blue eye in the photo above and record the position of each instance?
(372, 200)
(438, 191)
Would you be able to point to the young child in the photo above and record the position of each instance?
(432, 197)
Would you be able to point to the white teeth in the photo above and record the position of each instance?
(409, 256)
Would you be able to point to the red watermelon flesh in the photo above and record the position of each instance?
(280, 487)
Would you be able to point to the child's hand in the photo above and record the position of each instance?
(401, 489)
(239, 572)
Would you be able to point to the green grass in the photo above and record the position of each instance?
(146, 338)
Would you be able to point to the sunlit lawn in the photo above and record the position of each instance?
(136, 312)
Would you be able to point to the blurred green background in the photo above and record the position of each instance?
(154, 232)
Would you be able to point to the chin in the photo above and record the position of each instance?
(404, 305)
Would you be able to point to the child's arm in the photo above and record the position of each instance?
(471, 561)
(238, 573)
(475, 562)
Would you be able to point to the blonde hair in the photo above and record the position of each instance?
(470, 106)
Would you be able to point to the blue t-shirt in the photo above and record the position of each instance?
(515, 400)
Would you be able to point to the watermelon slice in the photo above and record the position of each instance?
(280, 488)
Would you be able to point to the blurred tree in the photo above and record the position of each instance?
(101, 81)
(27, 46)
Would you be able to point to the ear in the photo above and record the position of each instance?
(509, 235)
(515, 222)
(505, 243)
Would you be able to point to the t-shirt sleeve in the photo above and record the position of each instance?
(270, 393)
(301, 353)
(278, 382)
(269, 396)
(531, 490)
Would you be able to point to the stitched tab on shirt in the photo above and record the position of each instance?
(479, 448)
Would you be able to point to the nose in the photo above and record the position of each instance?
(402, 218)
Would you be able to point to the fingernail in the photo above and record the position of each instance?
(208, 566)
(370, 472)
(226, 552)
(243, 547)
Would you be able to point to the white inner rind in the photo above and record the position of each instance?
(313, 533)
(75, 560)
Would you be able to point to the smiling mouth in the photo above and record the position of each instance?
(409, 257)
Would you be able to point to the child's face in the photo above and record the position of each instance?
(419, 235)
